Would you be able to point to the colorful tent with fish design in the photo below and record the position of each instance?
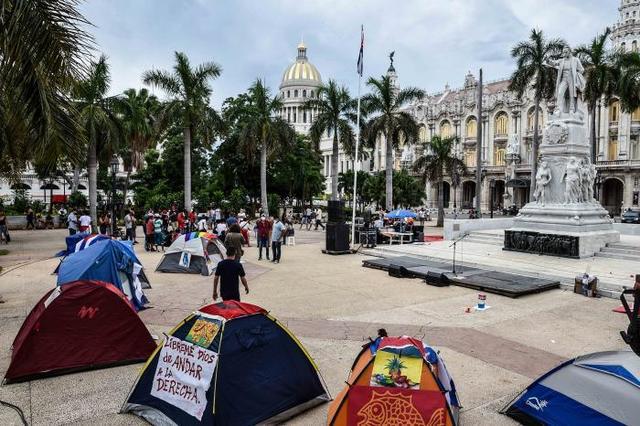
(228, 363)
(396, 381)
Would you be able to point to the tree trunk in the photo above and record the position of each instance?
(440, 222)
(187, 168)
(592, 111)
(388, 172)
(334, 166)
(534, 151)
(263, 176)
(92, 168)
(76, 179)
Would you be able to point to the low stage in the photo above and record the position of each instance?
(440, 273)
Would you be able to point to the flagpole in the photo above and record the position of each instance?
(355, 168)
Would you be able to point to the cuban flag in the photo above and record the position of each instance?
(361, 54)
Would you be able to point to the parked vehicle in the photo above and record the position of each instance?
(630, 216)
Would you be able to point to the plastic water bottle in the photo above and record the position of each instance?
(482, 298)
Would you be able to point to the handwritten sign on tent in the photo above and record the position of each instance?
(183, 375)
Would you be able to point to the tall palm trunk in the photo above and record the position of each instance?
(76, 179)
(92, 168)
(334, 166)
(592, 111)
(187, 168)
(440, 203)
(534, 150)
(263, 174)
(388, 173)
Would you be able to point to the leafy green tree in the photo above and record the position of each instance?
(436, 162)
(261, 130)
(335, 115)
(407, 190)
(44, 48)
(601, 76)
(101, 126)
(627, 66)
(374, 188)
(345, 184)
(386, 103)
(533, 72)
(190, 93)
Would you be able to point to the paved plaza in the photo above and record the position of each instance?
(333, 305)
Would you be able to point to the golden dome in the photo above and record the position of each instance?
(302, 71)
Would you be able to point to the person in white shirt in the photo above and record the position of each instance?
(202, 223)
(72, 222)
(221, 229)
(85, 223)
(128, 226)
(244, 230)
(218, 214)
(318, 219)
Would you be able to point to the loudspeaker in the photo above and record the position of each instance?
(337, 237)
(398, 271)
(437, 279)
(335, 211)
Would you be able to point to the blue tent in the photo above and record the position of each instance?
(596, 389)
(109, 261)
(400, 214)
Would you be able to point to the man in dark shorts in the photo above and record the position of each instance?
(228, 271)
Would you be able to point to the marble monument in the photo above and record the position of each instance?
(565, 219)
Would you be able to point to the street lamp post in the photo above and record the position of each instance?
(115, 164)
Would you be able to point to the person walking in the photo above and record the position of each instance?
(244, 230)
(319, 219)
(31, 217)
(72, 222)
(4, 234)
(158, 237)
(148, 232)
(103, 224)
(134, 222)
(234, 239)
(277, 234)
(221, 229)
(264, 232)
(228, 274)
(128, 226)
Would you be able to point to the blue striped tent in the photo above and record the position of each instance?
(602, 388)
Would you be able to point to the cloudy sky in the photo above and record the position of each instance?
(436, 41)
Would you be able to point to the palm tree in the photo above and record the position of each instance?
(335, 115)
(386, 102)
(189, 92)
(533, 72)
(263, 130)
(43, 49)
(627, 68)
(141, 115)
(601, 78)
(436, 162)
(101, 126)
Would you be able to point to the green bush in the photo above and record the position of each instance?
(78, 200)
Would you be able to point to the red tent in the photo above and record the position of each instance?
(78, 326)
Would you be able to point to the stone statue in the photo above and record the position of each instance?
(585, 182)
(543, 177)
(572, 184)
(513, 147)
(569, 81)
(391, 58)
(593, 172)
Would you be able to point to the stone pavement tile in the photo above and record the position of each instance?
(81, 396)
(112, 419)
(489, 414)
(17, 394)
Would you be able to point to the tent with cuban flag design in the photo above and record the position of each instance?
(396, 380)
(602, 388)
(229, 363)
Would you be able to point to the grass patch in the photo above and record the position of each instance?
(4, 252)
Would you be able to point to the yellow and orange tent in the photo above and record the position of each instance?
(396, 381)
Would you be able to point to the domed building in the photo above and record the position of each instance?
(300, 83)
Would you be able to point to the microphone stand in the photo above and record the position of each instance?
(455, 243)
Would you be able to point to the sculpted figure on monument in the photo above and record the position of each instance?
(593, 172)
(543, 177)
(569, 81)
(513, 148)
(586, 181)
(573, 188)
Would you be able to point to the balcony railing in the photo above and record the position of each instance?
(617, 163)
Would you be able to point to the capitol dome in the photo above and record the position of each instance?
(301, 72)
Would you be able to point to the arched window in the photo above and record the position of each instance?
(312, 93)
(295, 93)
(502, 124)
(423, 134)
(635, 115)
(499, 157)
(470, 158)
(614, 111)
(531, 120)
(445, 129)
(634, 46)
(288, 93)
(623, 46)
(304, 93)
(304, 116)
(471, 128)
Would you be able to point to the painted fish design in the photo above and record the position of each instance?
(385, 408)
